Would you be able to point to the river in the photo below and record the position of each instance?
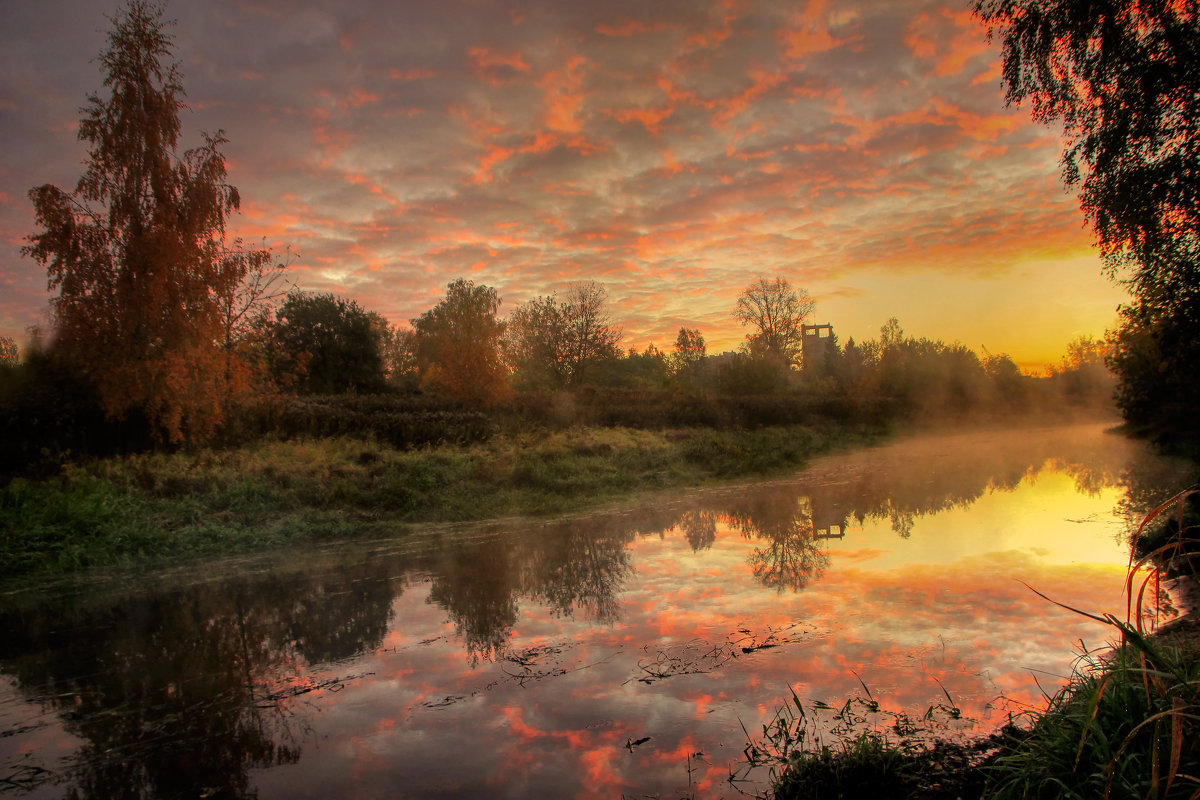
(621, 653)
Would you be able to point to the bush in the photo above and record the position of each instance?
(49, 414)
(399, 420)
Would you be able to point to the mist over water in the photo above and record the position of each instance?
(601, 654)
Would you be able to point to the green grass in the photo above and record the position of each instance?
(158, 506)
(860, 749)
(1127, 724)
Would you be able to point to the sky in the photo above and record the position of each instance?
(674, 151)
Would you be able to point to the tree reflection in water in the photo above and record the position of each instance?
(572, 566)
(788, 553)
(477, 584)
(186, 689)
(699, 528)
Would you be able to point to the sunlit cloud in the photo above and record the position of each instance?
(673, 153)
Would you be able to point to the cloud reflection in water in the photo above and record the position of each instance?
(527, 659)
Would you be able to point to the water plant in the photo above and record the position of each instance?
(860, 749)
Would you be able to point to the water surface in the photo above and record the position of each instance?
(600, 655)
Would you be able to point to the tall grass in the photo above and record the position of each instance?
(1126, 725)
(1128, 722)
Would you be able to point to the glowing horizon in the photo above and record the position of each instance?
(673, 154)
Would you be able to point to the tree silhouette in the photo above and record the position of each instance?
(535, 343)
(592, 336)
(777, 312)
(477, 583)
(1124, 80)
(558, 343)
(323, 344)
(579, 566)
(787, 554)
(137, 252)
(689, 354)
(699, 528)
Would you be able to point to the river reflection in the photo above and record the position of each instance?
(528, 659)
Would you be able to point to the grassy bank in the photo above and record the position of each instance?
(271, 493)
(1127, 723)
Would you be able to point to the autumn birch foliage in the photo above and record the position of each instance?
(456, 345)
(137, 252)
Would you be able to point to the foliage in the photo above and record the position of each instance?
(535, 344)
(137, 253)
(689, 352)
(1156, 352)
(923, 375)
(456, 345)
(9, 355)
(1124, 79)
(592, 336)
(749, 374)
(654, 409)
(322, 344)
(1082, 375)
(1126, 726)
(398, 420)
(49, 413)
(649, 369)
(553, 343)
(777, 312)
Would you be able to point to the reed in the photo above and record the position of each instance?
(1126, 724)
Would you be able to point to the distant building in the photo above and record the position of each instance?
(816, 346)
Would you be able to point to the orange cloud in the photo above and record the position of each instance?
(563, 95)
(808, 33)
(650, 118)
(951, 38)
(628, 28)
(485, 59)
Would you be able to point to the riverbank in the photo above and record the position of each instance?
(159, 507)
(1126, 724)
(809, 580)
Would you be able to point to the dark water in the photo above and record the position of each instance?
(530, 659)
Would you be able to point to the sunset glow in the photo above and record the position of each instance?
(673, 152)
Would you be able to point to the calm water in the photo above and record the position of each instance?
(530, 659)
